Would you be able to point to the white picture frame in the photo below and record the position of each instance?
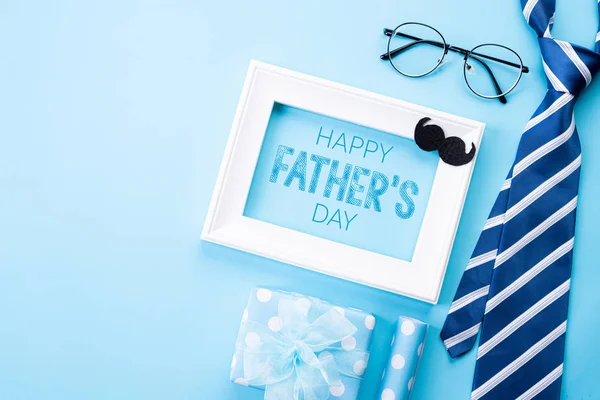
(226, 225)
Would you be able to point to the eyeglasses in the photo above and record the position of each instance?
(491, 70)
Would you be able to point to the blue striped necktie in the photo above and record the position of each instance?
(516, 286)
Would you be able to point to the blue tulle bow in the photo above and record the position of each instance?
(300, 361)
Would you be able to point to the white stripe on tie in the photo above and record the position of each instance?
(543, 384)
(545, 149)
(529, 8)
(528, 276)
(498, 219)
(570, 52)
(469, 298)
(556, 83)
(542, 189)
(534, 233)
(519, 362)
(547, 33)
(557, 105)
(598, 34)
(454, 340)
(495, 221)
(482, 259)
(523, 318)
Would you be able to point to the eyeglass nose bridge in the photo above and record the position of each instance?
(456, 49)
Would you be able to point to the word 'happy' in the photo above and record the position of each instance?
(354, 144)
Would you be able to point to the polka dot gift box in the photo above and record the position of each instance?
(297, 347)
(407, 346)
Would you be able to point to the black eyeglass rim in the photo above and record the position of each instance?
(467, 54)
(505, 92)
(441, 60)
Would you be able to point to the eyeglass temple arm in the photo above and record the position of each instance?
(407, 46)
(395, 52)
(392, 53)
(388, 32)
(501, 98)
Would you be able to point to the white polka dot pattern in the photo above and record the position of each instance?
(241, 381)
(305, 303)
(359, 367)
(325, 354)
(252, 339)
(337, 391)
(264, 295)
(349, 343)
(274, 324)
(370, 322)
(407, 327)
(388, 394)
(406, 349)
(398, 362)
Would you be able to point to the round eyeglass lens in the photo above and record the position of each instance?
(415, 50)
(492, 70)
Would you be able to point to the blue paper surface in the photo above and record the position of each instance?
(379, 206)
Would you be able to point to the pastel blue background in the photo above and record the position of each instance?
(113, 120)
(382, 232)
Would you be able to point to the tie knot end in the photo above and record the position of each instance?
(569, 68)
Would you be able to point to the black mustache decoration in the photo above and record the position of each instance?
(451, 150)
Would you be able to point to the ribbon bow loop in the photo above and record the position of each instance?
(298, 362)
